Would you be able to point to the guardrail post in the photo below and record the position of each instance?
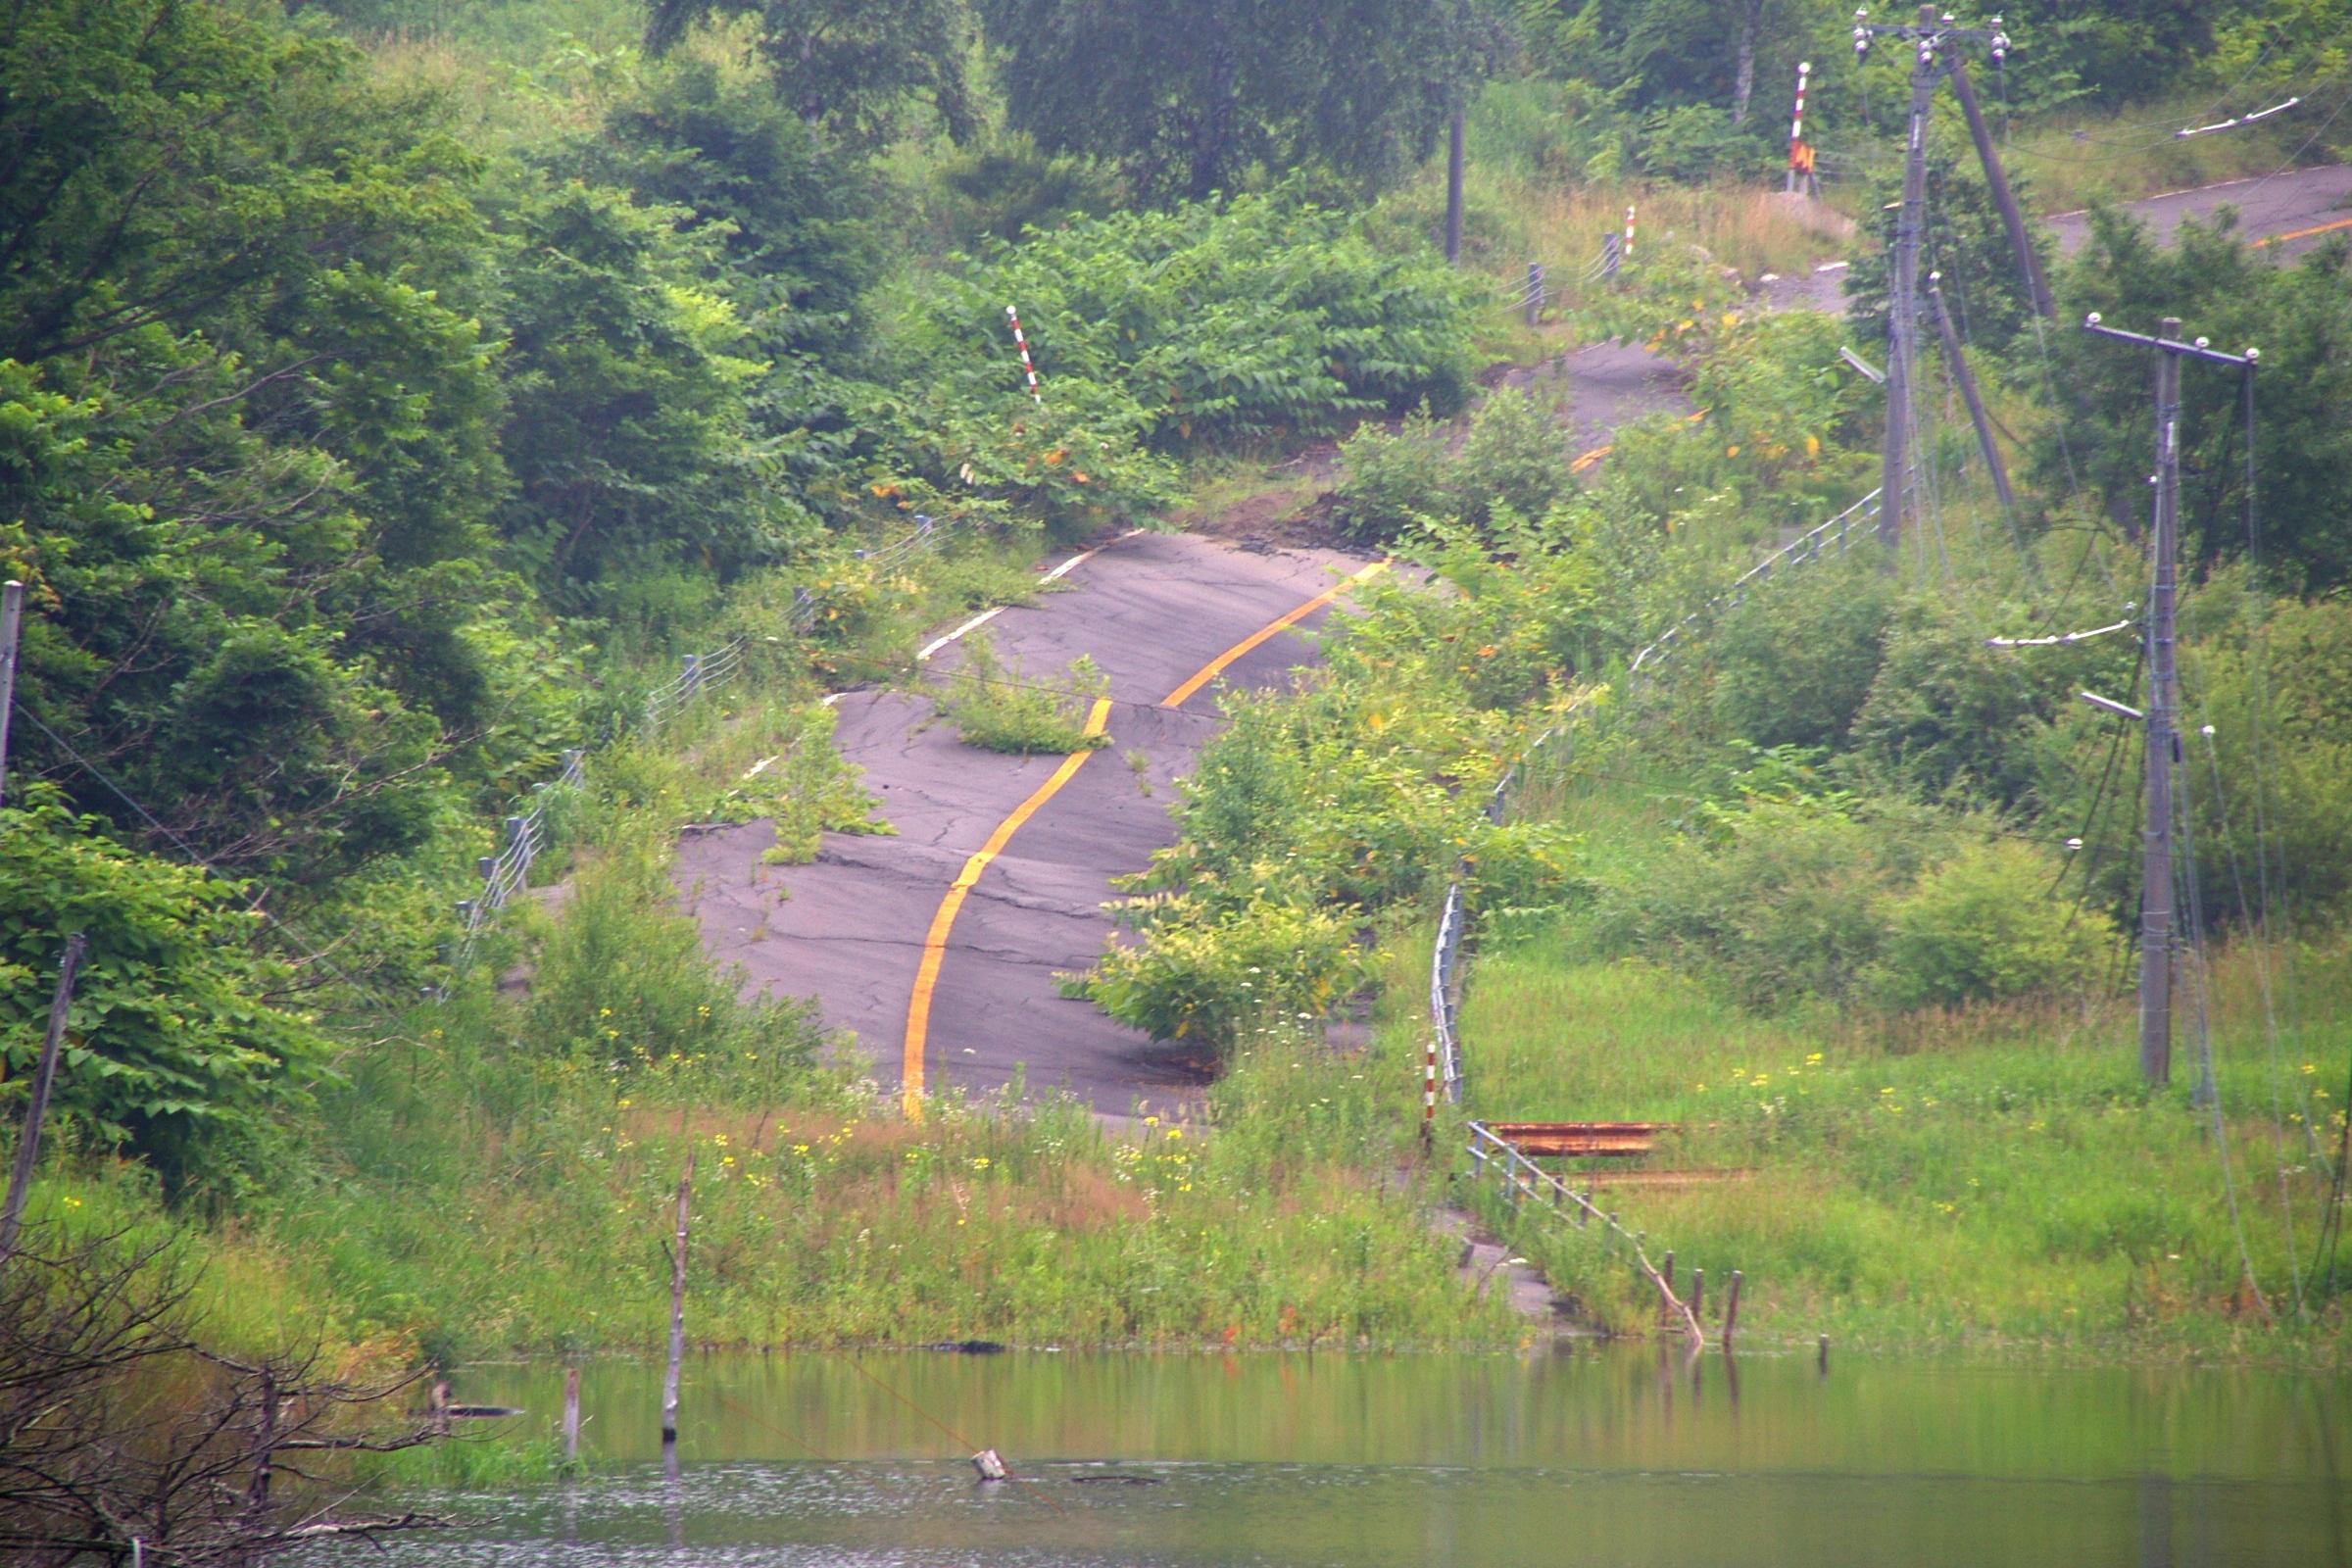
(1535, 291)
(485, 866)
(693, 673)
(465, 908)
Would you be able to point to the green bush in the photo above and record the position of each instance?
(1394, 482)
(1982, 926)
(1208, 979)
(1268, 316)
(620, 987)
(996, 706)
(804, 787)
(1794, 663)
(1512, 469)
(1515, 460)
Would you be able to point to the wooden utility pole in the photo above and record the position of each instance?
(11, 621)
(2037, 290)
(1931, 38)
(1902, 293)
(1967, 382)
(2158, 925)
(2156, 880)
(44, 1075)
(1454, 132)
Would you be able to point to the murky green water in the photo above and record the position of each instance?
(1609, 1456)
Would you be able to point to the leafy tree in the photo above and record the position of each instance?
(848, 65)
(175, 1052)
(1190, 96)
(627, 422)
(798, 244)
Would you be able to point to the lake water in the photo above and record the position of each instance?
(1608, 1456)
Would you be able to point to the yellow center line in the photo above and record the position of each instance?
(1216, 666)
(935, 941)
(2305, 234)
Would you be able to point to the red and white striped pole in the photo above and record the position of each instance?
(1796, 124)
(1429, 1091)
(1626, 257)
(1022, 343)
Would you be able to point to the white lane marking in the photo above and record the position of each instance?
(986, 615)
(2186, 191)
(1084, 555)
(973, 624)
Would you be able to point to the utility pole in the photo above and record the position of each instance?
(1930, 38)
(2038, 288)
(1958, 366)
(1454, 132)
(11, 621)
(1903, 295)
(2163, 744)
(2161, 722)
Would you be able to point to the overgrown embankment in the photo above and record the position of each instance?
(1838, 889)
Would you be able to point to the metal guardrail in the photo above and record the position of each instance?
(524, 832)
(1834, 537)
(1445, 1068)
(1519, 1178)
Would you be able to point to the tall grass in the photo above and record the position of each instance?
(1995, 1175)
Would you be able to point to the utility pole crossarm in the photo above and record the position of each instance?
(2196, 349)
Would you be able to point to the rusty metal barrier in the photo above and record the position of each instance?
(1519, 1178)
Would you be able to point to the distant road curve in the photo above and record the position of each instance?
(2287, 213)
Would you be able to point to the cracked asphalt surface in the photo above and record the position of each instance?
(848, 930)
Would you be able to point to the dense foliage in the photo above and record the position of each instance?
(359, 453)
(1198, 96)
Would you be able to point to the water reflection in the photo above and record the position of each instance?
(1634, 1456)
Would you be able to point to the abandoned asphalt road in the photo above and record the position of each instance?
(1155, 611)
(938, 949)
(2286, 213)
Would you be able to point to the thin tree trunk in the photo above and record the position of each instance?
(1453, 186)
(1744, 77)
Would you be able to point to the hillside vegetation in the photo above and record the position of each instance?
(393, 391)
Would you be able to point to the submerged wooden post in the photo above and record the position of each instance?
(677, 1317)
(1731, 1310)
(1698, 1290)
(571, 1413)
(1821, 1353)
